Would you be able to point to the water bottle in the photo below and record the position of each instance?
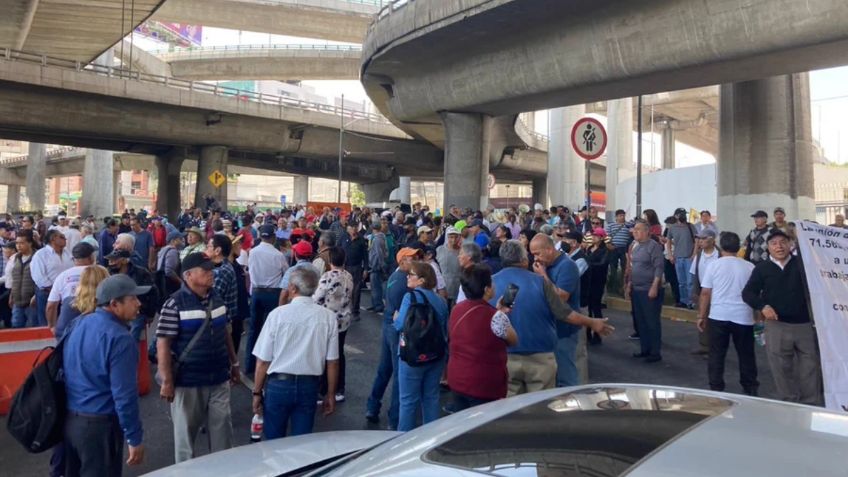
(256, 426)
(759, 334)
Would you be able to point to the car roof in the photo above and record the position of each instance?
(691, 433)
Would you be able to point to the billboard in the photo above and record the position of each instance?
(180, 34)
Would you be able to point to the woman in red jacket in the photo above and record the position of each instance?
(479, 336)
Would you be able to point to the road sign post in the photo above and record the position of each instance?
(217, 179)
(589, 140)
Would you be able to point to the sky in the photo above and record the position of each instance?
(828, 93)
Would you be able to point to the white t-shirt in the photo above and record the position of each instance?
(706, 260)
(727, 276)
(66, 283)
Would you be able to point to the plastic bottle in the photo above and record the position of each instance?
(759, 334)
(256, 426)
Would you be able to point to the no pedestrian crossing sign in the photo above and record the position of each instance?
(217, 179)
(589, 138)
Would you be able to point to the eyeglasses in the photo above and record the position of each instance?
(596, 223)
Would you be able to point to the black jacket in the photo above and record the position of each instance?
(784, 290)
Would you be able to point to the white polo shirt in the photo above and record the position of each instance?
(298, 338)
(66, 283)
(727, 276)
(266, 266)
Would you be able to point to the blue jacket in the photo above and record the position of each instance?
(565, 275)
(531, 316)
(208, 362)
(100, 363)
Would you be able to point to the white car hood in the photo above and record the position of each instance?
(272, 458)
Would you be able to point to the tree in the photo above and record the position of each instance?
(357, 196)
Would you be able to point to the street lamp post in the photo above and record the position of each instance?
(341, 151)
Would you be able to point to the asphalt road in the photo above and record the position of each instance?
(609, 362)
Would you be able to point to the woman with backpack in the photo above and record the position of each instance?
(422, 321)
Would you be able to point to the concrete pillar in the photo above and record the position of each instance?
(540, 191)
(668, 143)
(116, 190)
(301, 190)
(35, 175)
(168, 189)
(380, 191)
(466, 159)
(13, 198)
(98, 176)
(405, 190)
(765, 150)
(566, 170)
(212, 159)
(619, 152)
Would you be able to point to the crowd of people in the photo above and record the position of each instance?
(506, 287)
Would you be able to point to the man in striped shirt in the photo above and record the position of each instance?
(218, 249)
(620, 235)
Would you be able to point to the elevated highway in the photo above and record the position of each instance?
(72, 30)
(264, 62)
(336, 20)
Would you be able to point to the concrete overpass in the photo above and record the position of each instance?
(75, 30)
(579, 51)
(264, 62)
(336, 20)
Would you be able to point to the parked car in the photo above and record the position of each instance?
(592, 430)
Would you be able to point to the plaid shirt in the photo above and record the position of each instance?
(226, 287)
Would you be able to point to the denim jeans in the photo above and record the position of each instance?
(377, 284)
(647, 312)
(419, 388)
(386, 369)
(23, 316)
(292, 400)
(41, 306)
(262, 302)
(684, 278)
(567, 374)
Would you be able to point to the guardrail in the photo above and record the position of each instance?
(522, 122)
(390, 7)
(9, 54)
(52, 154)
(296, 47)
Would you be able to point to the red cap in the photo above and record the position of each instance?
(303, 249)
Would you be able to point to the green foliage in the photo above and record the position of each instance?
(357, 196)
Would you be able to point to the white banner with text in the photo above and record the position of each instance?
(825, 253)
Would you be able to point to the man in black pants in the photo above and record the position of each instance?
(729, 316)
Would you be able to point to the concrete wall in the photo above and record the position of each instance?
(666, 190)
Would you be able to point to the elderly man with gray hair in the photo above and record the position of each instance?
(535, 310)
(296, 342)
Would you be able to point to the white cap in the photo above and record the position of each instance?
(538, 207)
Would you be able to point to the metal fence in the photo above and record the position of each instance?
(238, 48)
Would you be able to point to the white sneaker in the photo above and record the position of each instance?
(340, 397)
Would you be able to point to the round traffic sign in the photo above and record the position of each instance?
(490, 181)
(589, 138)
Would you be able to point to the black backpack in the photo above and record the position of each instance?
(421, 340)
(37, 414)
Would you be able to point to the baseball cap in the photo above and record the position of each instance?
(451, 230)
(11, 245)
(707, 233)
(82, 250)
(679, 210)
(173, 236)
(776, 232)
(115, 254)
(760, 213)
(303, 249)
(197, 260)
(476, 223)
(118, 286)
(406, 252)
(424, 229)
(779, 209)
(459, 225)
(599, 232)
(538, 206)
(75, 222)
(266, 231)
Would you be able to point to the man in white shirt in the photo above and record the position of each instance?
(47, 263)
(298, 340)
(65, 287)
(705, 254)
(722, 312)
(265, 266)
(73, 235)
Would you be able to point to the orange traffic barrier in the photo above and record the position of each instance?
(19, 349)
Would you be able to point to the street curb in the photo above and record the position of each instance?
(668, 312)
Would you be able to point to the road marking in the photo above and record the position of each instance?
(352, 349)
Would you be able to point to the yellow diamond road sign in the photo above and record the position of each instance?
(217, 179)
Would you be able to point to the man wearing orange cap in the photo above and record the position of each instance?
(303, 254)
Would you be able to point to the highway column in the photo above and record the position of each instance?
(619, 152)
(765, 150)
(566, 170)
(380, 191)
(13, 198)
(36, 175)
(97, 179)
(466, 159)
(212, 159)
(168, 191)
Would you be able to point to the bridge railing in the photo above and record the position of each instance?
(389, 7)
(526, 129)
(258, 47)
(282, 102)
(52, 154)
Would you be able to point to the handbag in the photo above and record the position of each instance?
(191, 344)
